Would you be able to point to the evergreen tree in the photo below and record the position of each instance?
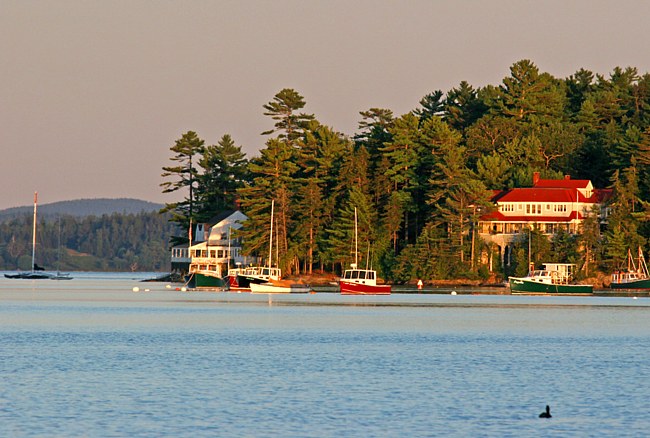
(578, 86)
(225, 171)
(320, 157)
(185, 175)
(289, 125)
(432, 105)
(528, 96)
(622, 227)
(455, 195)
(590, 241)
(463, 107)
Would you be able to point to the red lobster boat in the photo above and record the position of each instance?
(362, 282)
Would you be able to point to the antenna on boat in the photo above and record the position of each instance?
(356, 239)
(530, 236)
(368, 257)
(229, 239)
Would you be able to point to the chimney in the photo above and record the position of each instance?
(567, 177)
(535, 178)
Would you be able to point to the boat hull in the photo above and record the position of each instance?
(352, 288)
(200, 280)
(268, 288)
(523, 285)
(30, 276)
(633, 284)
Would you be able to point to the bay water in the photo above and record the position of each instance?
(90, 357)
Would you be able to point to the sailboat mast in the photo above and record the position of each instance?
(271, 236)
(356, 238)
(34, 231)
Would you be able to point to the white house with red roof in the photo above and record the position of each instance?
(548, 206)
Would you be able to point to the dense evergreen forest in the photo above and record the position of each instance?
(115, 242)
(418, 179)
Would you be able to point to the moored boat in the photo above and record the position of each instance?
(553, 278)
(357, 281)
(280, 287)
(268, 279)
(205, 273)
(257, 275)
(205, 279)
(635, 277)
(37, 272)
(33, 275)
(362, 282)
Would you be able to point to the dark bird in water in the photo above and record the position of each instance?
(546, 414)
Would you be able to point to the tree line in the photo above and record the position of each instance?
(418, 181)
(115, 242)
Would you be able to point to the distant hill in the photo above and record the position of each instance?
(83, 208)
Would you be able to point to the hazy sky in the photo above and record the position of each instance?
(94, 93)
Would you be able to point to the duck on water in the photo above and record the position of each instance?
(547, 413)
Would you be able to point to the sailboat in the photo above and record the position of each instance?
(635, 277)
(37, 273)
(274, 284)
(357, 281)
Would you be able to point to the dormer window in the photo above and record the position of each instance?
(533, 208)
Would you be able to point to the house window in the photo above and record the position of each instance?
(533, 208)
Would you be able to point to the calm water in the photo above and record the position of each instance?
(90, 357)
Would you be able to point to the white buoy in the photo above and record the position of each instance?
(453, 292)
(634, 298)
(169, 286)
(136, 289)
(147, 290)
(183, 289)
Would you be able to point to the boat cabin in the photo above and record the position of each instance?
(553, 273)
(262, 273)
(361, 276)
(626, 277)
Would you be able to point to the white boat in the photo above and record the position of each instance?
(279, 287)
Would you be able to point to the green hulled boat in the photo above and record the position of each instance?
(635, 277)
(554, 278)
(206, 280)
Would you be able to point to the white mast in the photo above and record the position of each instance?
(271, 236)
(34, 232)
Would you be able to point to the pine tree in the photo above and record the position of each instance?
(225, 171)
(530, 96)
(188, 150)
(463, 107)
(289, 125)
(273, 178)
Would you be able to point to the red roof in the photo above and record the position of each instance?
(537, 194)
(563, 183)
(500, 217)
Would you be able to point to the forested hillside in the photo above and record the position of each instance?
(115, 242)
(418, 179)
(83, 207)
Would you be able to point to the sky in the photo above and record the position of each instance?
(93, 94)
